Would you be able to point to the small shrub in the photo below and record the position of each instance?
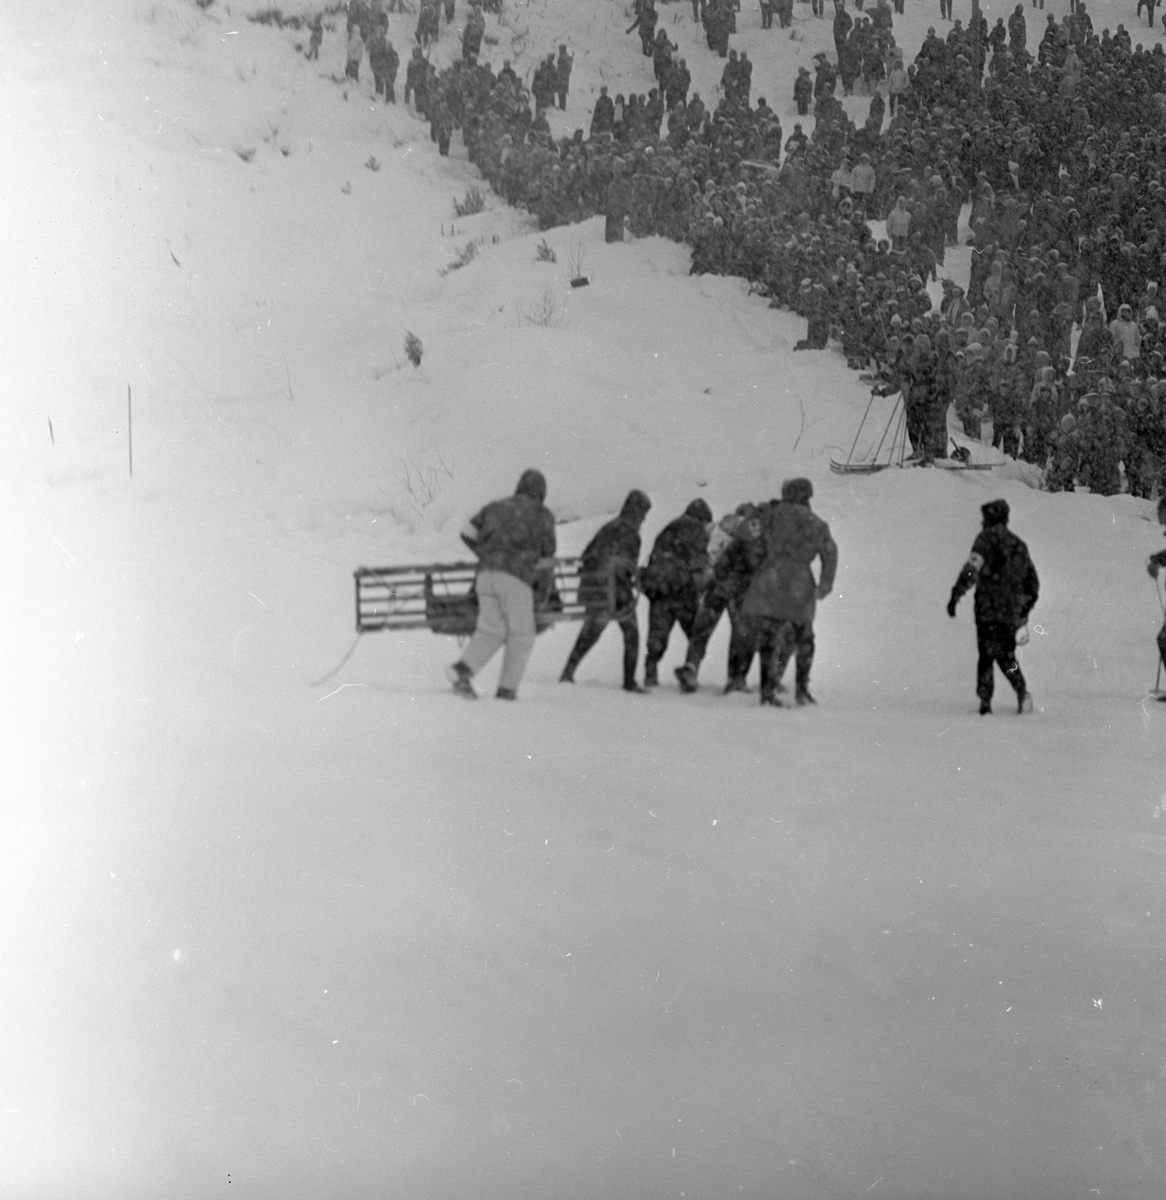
(467, 254)
(575, 260)
(413, 348)
(272, 16)
(472, 202)
(543, 253)
(546, 312)
(245, 154)
(373, 163)
(422, 483)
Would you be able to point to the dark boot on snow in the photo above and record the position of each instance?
(686, 677)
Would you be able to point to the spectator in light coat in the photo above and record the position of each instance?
(899, 224)
(354, 52)
(1127, 338)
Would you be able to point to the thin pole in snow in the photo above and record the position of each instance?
(130, 414)
(52, 436)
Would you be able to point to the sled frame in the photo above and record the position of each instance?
(440, 597)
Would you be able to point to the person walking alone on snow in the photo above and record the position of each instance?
(1006, 583)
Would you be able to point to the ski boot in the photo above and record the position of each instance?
(630, 685)
(803, 697)
(1024, 703)
(771, 699)
(460, 675)
(985, 708)
(686, 677)
(738, 684)
(650, 678)
(505, 694)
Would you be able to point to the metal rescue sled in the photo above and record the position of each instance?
(441, 597)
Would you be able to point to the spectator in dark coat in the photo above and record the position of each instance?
(603, 115)
(606, 588)
(415, 77)
(617, 202)
(1006, 583)
(781, 599)
(677, 572)
(563, 76)
(475, 28)
(514, 540)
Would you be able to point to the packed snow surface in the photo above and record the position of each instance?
(264, 936)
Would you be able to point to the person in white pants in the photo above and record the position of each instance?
(514, 540)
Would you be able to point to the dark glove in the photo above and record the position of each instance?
(951, 607)
(1152, 568)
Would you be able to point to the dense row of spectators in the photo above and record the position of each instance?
(1057, 153)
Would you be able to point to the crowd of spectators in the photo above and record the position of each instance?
(1056, 147)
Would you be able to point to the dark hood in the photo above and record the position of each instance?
(533, 484)
(995, 512)
(636, 506)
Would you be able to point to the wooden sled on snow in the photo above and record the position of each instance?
(441, 597)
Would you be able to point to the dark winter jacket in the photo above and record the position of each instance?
(784, 588)
(514, 534)
(1159, 559)
(1002, 573)
(679, 562)
(734, 570)
(611, 558)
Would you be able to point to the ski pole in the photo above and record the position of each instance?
(860, 425)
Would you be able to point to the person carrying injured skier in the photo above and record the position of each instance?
(606, 587)
(514, 540)
(1002, 572)
(676, 574)
(1154, 564)
(735, 553)
(778, 609)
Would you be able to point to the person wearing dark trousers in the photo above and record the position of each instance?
(606, 578)
(1002, 572)
(1154, 564)
(733, 571)
(677, 571)
(780, 602)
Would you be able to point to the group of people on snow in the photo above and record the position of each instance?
(756, 564)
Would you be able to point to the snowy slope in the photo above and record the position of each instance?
(362, 939)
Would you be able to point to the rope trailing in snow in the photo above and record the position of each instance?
(340, 664)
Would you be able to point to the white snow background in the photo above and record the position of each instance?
(364, 939)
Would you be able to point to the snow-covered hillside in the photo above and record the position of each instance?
(363, 939)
